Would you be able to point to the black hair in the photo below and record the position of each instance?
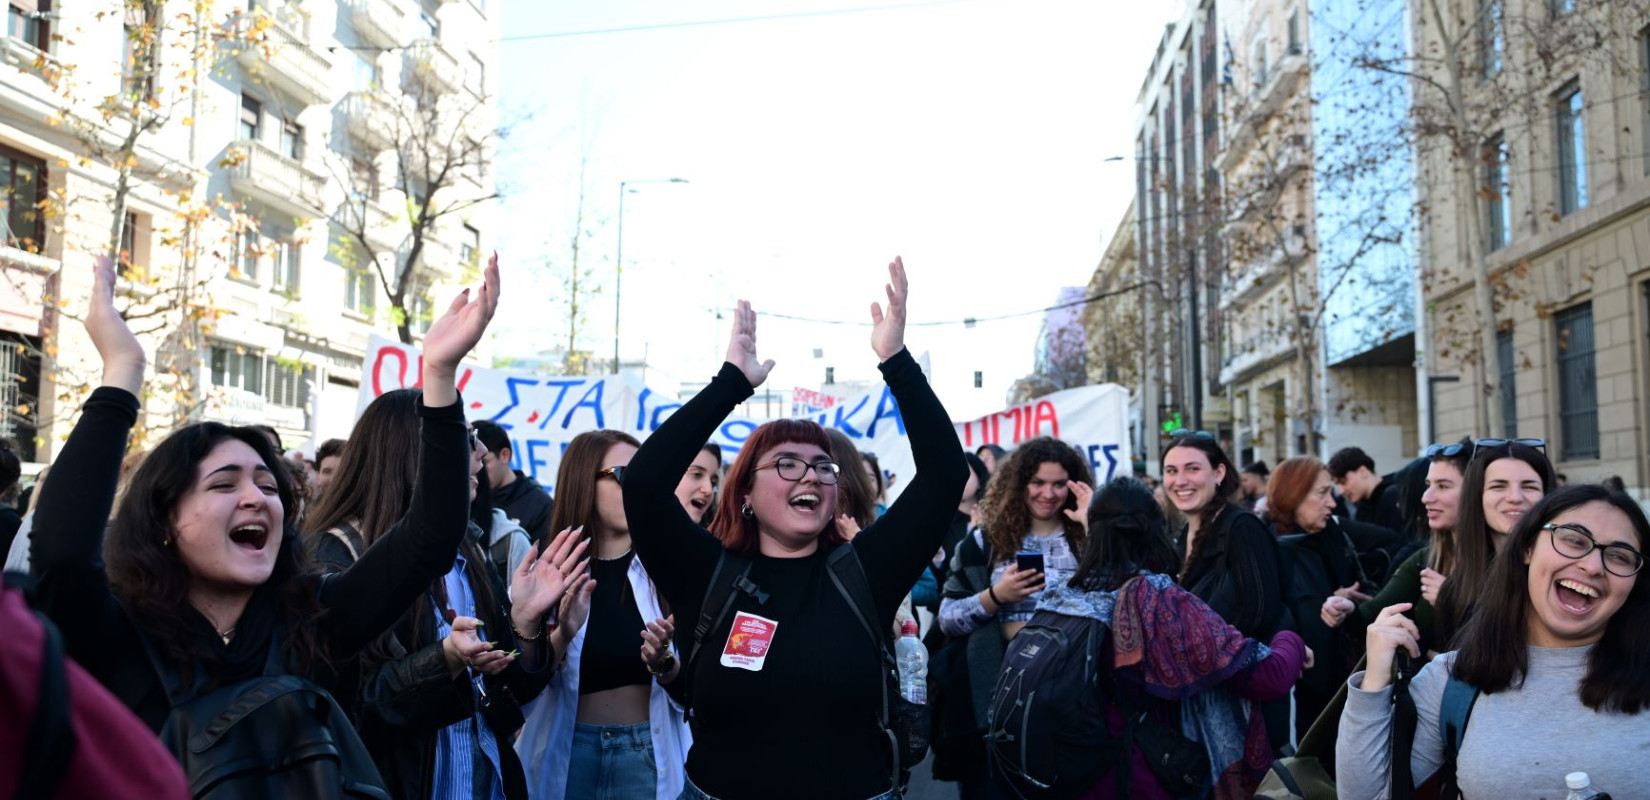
(1127, 533)
(1258, 468)
(1412, 483)
(1228, 485)
(273, 434)
(491, 434)
(1493, 652)
(1347, 460)
(982, 476)
(331, 448)
(11, 468)
(1474, 543)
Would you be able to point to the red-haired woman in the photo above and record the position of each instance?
(795, 713)
(1300, 507)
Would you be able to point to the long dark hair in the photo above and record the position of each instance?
(1493, 653)
(856, 497)
(1004, 514)
(1474, 543)
(373, 488)
(1228, 485)
(151, 581)
(1127, 532)
(1412, 483)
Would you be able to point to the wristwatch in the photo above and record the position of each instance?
(664, 667)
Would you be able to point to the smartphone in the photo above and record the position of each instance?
(1029, 560)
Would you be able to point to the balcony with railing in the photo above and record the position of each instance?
(276, 180)
(365, 215)
(384, 23)
(371, 119)
(282, 58)
(432, 65)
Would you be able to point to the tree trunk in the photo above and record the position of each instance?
(1465, 165)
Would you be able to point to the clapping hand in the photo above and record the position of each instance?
(540, 580)
(888, 328)
(742, 346)
(656, 642)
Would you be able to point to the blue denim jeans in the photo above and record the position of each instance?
(612, 762)
(691, 792)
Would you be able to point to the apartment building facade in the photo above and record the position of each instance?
(1553, 199)
(283, 162)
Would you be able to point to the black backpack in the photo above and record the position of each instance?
(1046, 729)
(273, 736)
(904, 724)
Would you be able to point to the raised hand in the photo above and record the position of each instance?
(888, 328)
(575, 605)
(540, 580)
(847, 526)
(123, 358)
(455, 334)
(1084, 493)
(742, 346)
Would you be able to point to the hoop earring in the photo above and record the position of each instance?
(745, 511)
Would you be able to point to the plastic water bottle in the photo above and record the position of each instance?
(912, 659)
(1581, 788)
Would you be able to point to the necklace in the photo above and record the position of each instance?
(617, 557)
(226, 635)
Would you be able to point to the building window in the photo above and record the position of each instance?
(476, 78)
(1295, 32)
(1498, 194)
(1257, 63)
(469, 250)
(429, 24)
(1562, 7)
(289, 384)
(251, 251)
(22, 185)
(236, 367)
(138, 79)
(423, 313)
(134, 245)
(252, 113)
(1492, 37)
(1577, 383)
(286, 266)
(27, 21)
(1572, 150)
(1509, 382)
(292, 140)
(358, 290)
(363, 176)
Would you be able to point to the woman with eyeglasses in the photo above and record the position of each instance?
(1552, 661)
(787, 689)
(1504, 480)
(1418, 578)
(606, 727)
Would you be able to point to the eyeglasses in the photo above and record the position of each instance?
(1450, 450)
(1188, 433)
(1539, 444)
(1575, 541)
(616, 473)
(792, 469)
(475, 439)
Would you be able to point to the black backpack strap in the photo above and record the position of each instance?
(732, 574)
(51, 741)
(848, 574)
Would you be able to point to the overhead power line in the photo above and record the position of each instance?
(967, 321)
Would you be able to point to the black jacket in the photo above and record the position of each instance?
(1381, 506)
(406, 701)
(526, 502)
(1240, 573)
(963, 673)
(1321, 563)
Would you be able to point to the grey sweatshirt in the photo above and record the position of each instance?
(1519, 744)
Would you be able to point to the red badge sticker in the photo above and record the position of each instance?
(749, 642)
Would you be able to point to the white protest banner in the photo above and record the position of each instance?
(543, 414)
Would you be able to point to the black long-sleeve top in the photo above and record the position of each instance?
(358, 604)
(806, 725)
(1238, 574)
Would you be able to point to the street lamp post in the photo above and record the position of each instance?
(618, 267)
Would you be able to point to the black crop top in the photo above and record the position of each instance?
(612, 653)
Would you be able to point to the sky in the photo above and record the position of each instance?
(970, 137)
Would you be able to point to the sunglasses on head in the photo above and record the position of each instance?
(1188, 433)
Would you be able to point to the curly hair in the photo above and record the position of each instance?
(1004, 513)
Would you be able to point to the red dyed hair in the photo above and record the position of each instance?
(1289, 486)
(737, 531)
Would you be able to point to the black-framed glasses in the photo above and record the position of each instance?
(616, 473)
(792, 469)
(1188, 433)
(1575, 541)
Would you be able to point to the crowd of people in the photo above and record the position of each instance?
(405, 615)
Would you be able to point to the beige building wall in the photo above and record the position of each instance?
(1557, 259)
